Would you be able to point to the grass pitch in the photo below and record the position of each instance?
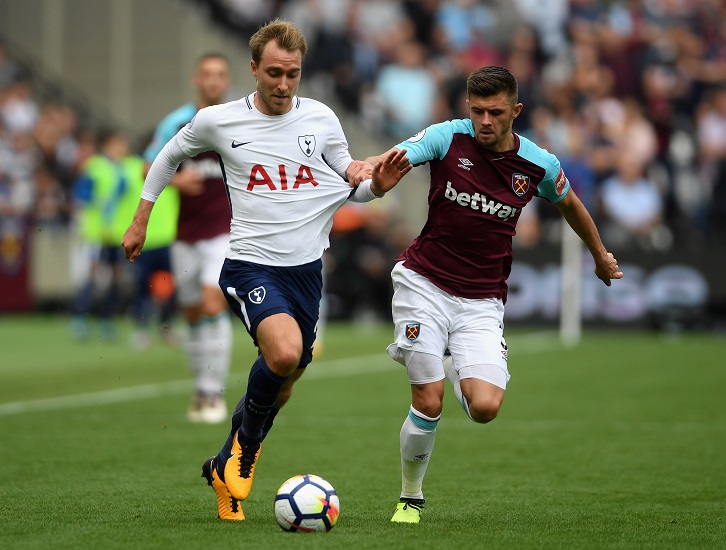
(618, 443)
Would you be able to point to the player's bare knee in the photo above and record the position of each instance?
(432, 409)
(483, 410)
(429, 404)
(282, 359)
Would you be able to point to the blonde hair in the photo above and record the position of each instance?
(287, 35)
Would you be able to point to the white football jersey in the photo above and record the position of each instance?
(284, 175)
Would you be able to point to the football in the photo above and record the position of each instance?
(306, 503)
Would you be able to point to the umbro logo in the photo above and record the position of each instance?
(236, 144)
(465, 164)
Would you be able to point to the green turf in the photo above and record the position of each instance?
(618, 443)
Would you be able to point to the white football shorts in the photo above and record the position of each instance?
(196, 265)
(429, 320)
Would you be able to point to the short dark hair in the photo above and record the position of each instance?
(211, 55)
(287, 35)
(492, 80)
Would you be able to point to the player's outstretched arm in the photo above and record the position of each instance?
(389, 170)
(358, 171)
(135, 236)
(577, 216)
(379, 158)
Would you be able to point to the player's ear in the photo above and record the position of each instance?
(517, 110)
(253, 68)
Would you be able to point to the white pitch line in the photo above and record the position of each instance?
(322, 369)
(352, 366)
(105, 397)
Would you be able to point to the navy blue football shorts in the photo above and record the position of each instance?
(256, 291)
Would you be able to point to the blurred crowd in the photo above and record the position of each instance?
(42, 150)
(629, 94)
(57, 176)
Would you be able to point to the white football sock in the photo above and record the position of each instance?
(453, 376)
(194, 346)
(417, 442)
(217, 345)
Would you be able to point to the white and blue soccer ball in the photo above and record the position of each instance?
(306, 503)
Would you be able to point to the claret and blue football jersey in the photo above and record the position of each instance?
(475, 198)
(206, 215)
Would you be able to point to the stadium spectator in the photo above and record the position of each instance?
(407, 92)
(465, 23)
(711, 142)
(633, 208)
(18, 108)
(60, 160)
(549, 19)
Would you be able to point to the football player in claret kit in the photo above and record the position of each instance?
(201, 242)
(285, 162)
(450, 284)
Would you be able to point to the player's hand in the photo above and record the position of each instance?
(133, 240)
(188, 181)
(357, 171)
(607, 269)
(389, 171)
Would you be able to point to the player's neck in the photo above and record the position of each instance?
(506, 144)
(265, 109)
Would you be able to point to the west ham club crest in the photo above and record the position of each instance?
(413, 330)
(520, 184)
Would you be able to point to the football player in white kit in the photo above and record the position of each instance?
(285, 162)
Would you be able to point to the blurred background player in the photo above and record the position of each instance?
(200, 247)
(99, 193)
(154, 292)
